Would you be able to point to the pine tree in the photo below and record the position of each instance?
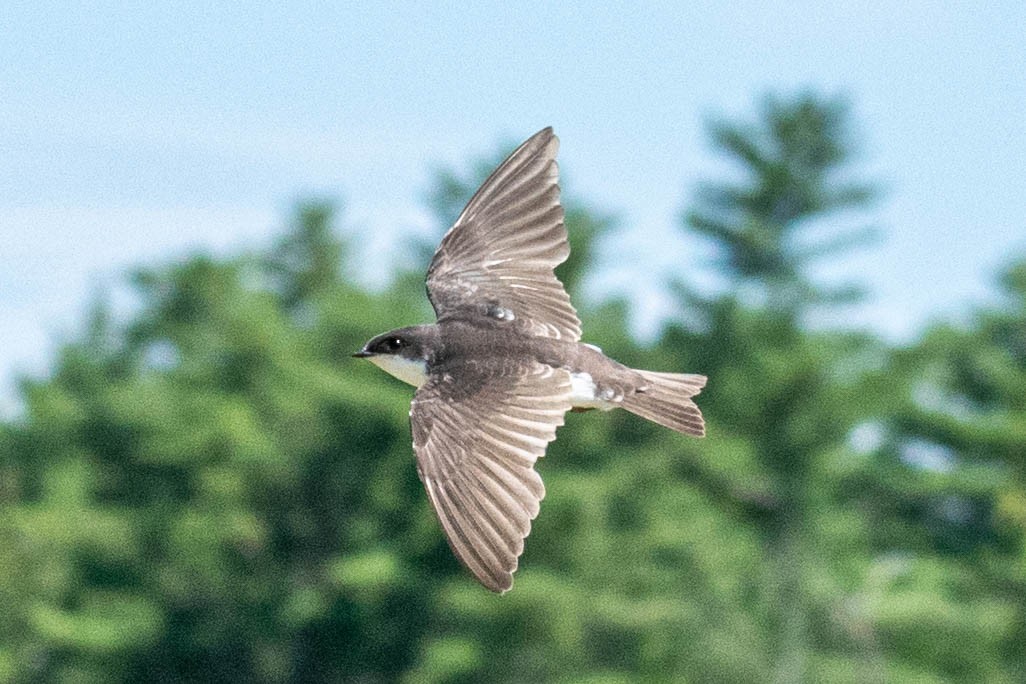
(947, 491)
(769, 228)
(774, 383)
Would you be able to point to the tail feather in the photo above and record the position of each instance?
(666, 400)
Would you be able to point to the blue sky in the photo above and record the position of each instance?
(138, 135)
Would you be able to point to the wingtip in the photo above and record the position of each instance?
(545, 136)
(497, 584)
(504, 587)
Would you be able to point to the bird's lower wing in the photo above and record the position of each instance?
(476, 441)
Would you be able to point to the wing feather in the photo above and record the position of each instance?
(476, 455)
(501, 252)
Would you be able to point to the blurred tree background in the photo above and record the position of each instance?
(212, 490)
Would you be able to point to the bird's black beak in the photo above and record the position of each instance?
(362, 354)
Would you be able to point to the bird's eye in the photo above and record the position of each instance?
(394, 343)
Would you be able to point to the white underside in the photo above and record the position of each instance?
(583, 393)
(409, 371)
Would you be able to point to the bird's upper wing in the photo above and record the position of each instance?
(498, 257)
(476, 441)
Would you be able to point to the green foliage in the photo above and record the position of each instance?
(775, 385)
(212, 490)
(949, 477)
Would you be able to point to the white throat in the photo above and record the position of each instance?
(412, 371)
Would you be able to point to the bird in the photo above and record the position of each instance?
(504, 362)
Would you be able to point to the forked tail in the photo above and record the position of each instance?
(667, 401)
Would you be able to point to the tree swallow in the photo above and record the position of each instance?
(503, 363)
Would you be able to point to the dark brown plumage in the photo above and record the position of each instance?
(503, 364)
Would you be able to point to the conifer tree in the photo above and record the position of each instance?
(947, 487)
(772, 381)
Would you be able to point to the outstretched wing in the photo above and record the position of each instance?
(498, 257)
(476, 442)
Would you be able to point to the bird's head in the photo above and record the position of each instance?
(401, 353)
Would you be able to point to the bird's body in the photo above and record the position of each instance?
(596, 379)
(504, 362)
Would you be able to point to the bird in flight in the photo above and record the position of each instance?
(503, 363)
